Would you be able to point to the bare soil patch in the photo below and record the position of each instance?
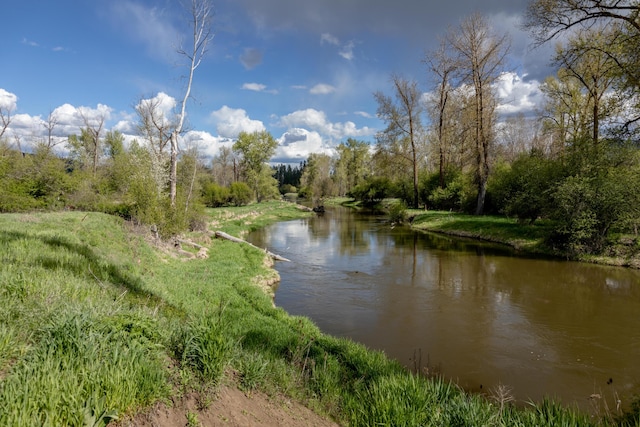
(230, 407)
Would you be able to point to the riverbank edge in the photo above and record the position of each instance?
(573, 413)
(431, 222)
(523, 238)
(378, 389)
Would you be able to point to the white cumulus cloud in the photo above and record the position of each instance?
(8, 100)
(231, 121)
(208, 145)
(297, 144)
(317, 121)
(258, 87)
(516, 95)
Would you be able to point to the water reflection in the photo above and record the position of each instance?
(477, 313)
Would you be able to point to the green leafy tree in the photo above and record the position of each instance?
(352, 165)
(255, 149)
(316, 179)
(584, 59)
(549, 19)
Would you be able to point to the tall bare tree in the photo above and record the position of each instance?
(442, 67)
(92, 134)
(201, 15)
(402, 117)
(546, 19)
(480, 58)
(50, 126)
(5, 118)
(224, 167)
(153, 124)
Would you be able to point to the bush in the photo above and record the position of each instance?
(373, 190)
(288, 188)
(215, 196)
(595, 199)
(458, 193)
(398, 211)
(240, 194)
(31, 181)
(585, 210)
(524, 189)
(403, 190)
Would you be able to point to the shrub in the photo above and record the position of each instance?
(398, 211)
(214, 195)
(240, 194)
(288, 188)
(372, 190)
(524, 189)
(458, 193)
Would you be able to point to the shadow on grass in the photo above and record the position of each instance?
(89, 266)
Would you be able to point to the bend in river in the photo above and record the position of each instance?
(478, 314)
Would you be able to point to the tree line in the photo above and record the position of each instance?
(444, 144)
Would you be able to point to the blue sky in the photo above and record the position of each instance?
(305, 70)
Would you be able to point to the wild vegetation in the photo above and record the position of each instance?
(96, 322)
(99, 321)
(446, 146)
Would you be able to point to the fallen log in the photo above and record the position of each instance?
(223, 235)
(190, 243)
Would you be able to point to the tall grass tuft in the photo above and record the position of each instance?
(204, 347)
(80, 369)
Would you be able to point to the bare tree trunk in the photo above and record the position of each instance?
(193, 179)
(94, 129)
(173, 169)
(201, 15)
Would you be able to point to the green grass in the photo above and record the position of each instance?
(526, 237)
(95, 324)
(240, 220)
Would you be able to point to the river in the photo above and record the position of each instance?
(478, 314)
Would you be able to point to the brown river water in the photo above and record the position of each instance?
(478, 314)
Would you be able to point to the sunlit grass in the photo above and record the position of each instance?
(240, 220)
(529, 237)
(96, 323)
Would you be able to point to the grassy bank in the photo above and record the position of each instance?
(527, 238)
(97, 321)
(524, 237)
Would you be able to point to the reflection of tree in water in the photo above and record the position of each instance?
(482, 313)
(486, 302)
(352, 236)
